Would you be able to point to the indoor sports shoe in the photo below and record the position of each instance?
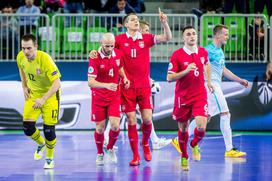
(39, 152)
(135, 161)
(112, 155)
(147, 152)
(185, 164)
(196, 153)
(175, 143)
(49, 163)
(234, 152)
(162, 142)
(99, 159)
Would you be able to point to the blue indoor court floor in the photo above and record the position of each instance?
(76, 153)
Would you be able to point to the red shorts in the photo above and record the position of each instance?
(183, 112)
(101, 109)
(133, 96)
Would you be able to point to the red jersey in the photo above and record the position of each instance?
(106, 69)
(136, 57)
(191, 86)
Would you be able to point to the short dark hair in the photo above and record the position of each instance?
(186, 28)
(28, 37)
(218, 28)
(125, 19)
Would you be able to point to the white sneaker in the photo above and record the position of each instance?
(106, 143)
(112, 156)
(99, 159)
(49, 164)
(162, 142)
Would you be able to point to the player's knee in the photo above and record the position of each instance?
(29, 128)
(100, 130)
(115, 127)
(131, 119)
(49, 132)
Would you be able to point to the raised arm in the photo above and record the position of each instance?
(167, 34)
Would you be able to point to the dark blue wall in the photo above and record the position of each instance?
(74, 71)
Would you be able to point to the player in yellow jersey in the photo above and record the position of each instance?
(41, 85)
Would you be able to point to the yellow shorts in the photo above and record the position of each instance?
(49, 111)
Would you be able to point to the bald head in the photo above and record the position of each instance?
(107, 37)
(107, 43)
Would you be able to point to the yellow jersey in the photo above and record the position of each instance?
(40, 72)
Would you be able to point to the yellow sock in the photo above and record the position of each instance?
(50, 148)
(37, 137)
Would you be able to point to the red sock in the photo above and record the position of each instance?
(146, 131)
(133, 138)
(113, 136)
(183, 141)
(198, 136)
(99, 141)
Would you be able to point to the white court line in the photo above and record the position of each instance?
(217, 137)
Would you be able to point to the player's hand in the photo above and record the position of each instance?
(210, 87)
(126, 82)
(38, 103)
(190, 67)
(244, 83)
(163, 17)
(93, 54)
(26, 92)
(112, 86)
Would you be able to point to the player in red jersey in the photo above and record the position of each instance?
(186, 67)
(135, 47)
(103, 78)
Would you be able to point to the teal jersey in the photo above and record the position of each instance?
(217, 61)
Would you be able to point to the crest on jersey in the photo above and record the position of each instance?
(118, 62)
(170, 66)
(126, 44)
(186, 63)
(102, 66)
(202, 59)
(141, 44)
(90, 70)
(38, 71)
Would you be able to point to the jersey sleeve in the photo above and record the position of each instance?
(92, 68)
(19, 59)
(206, 57)
(121, 59)
(173, 64)
(150, 39)
(117, 42)
(51, 69)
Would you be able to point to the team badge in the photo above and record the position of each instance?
(186, 63)
(38, 71)
(141, 44)
(170, 66)
(118, 62)
(90, 70)
(102, 66)
(126, 44)
(202, 60)
(54, 73)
